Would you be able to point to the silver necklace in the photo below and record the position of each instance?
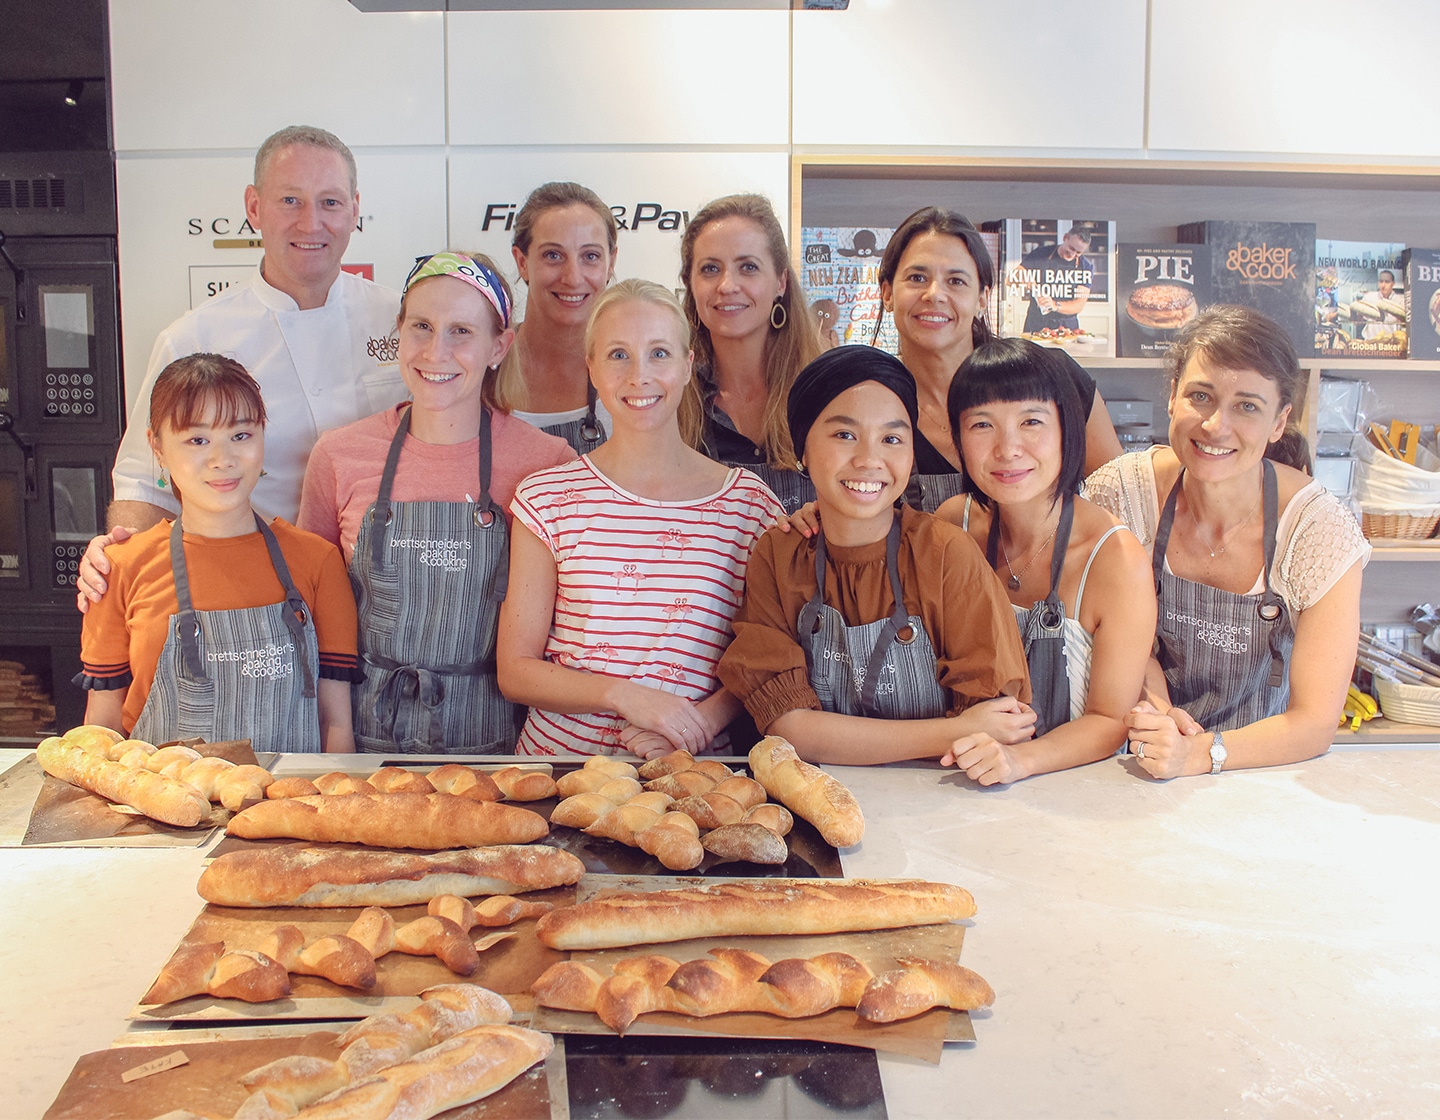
(1225, 537)
(1013, 583)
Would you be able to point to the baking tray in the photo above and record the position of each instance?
(209, 1081)
(921, 1036)
(810, 857)
(58, 814)
(508, 967)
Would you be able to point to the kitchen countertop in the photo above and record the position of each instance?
(1259, 943)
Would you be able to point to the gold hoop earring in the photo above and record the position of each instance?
(784, 315)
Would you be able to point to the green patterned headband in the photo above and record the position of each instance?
(477, 275)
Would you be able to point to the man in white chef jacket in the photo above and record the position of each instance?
(320, 341)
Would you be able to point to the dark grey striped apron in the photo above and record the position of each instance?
(791, 488)
(1226, 656)
(1042, 629)
(928, 492)
(429, 578)
(239, 674)
(884, 669)
(585, 434)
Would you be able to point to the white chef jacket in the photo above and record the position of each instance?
(318, 369)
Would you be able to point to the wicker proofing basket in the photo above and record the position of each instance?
(1398, 526)
(1408, 703)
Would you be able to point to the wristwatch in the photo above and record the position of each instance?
(1218, 753)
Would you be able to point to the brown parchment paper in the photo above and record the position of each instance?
(66, 815)
(210, 1083)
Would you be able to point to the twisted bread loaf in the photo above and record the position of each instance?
(292, 876)
(742, 908)
(206, 967)
(738, 980)
(919, 985)
(390, 820)
(808, 791)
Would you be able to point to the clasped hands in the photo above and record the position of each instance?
(985, 753)
(1163, 743)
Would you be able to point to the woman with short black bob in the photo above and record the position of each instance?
(885, 636)
(1075, 578)
(935, 280)
(1257, 566)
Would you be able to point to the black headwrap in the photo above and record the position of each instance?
(839, 369)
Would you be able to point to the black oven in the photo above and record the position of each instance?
(61, 402)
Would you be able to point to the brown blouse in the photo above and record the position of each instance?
(946, 583)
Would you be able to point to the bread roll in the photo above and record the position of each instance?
(291, 876)
(337, 783)
(523, 785)
(753, 843)
(671, 763)
(464, 782)
(291, 787)
(396, 779)
(390, 820)
(807, 791)
(165, 799)
(772, 906)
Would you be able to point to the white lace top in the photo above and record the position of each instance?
(1316, 541)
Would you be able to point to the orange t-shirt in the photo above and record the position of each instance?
(124, 633)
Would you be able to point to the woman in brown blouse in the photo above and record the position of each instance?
(886, 636)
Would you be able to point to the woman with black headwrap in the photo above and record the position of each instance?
(886, 636)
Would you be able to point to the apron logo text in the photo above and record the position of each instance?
(446, 555)
(269, 663)
(1231, 639)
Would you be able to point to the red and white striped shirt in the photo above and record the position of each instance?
(646, 590)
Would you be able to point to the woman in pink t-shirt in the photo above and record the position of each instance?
(628, 564)
(416, 498)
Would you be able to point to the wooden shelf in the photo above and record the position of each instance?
(1382, 732)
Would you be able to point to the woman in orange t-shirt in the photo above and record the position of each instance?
(218, 624)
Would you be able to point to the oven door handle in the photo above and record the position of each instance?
(7, 425)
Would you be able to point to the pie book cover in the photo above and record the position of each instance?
(1159, 288)
(1269, 266)
(1057, 279)
(1360, 299)
(840, 272)
(1422, 301)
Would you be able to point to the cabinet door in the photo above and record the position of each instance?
(966, 73)
(1289, 76)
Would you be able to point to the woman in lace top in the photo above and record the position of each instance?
(1257, 567)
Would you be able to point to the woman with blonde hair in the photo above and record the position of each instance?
(564, 247)
(628, 564)
(1257, 567)
(753, 333)
(416, 498)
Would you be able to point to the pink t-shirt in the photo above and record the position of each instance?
(342, 479)
(645, 589)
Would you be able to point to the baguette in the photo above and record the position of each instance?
(292, 876)
(807, 791)
(390, 820)
(772, 906)
(165, 799)
(468, 1067)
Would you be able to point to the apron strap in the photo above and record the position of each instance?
(380, 511)
(187, 624)
(809, 619)
(1162, 532)
(590, 427)
(897, 621)
(403, 683)
(1057, 558)
(297, 614)
(487, 513)
(1271, 605)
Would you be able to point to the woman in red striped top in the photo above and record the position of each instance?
(628, 564)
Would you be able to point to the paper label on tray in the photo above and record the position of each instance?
(159, 1065)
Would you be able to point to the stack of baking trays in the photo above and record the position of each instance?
(482, 939)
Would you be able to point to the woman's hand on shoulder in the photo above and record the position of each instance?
(805, 520)
(984, 760)
(1004, 719)
(1165, 744)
